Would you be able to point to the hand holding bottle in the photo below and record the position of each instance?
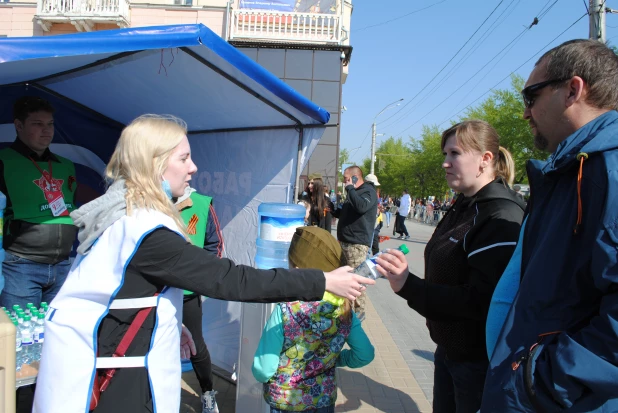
(392, 265)
(345, 284)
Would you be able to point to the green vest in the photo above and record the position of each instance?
(28, 201)
(199, 209)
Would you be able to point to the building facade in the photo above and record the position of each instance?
(306, 43)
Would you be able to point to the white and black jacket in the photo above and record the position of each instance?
(464, 260)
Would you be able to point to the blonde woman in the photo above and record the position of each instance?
(133, 262)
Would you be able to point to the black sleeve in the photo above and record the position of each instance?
(489, 253)
(164, 258)
(361, 202)
(214, 238)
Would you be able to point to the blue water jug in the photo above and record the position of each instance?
(2, 207)
(277, 224)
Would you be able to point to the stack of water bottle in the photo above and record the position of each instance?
(30, 334)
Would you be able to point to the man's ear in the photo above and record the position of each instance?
(18, 125)
(576, 90)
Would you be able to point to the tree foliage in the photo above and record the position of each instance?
(417, 164)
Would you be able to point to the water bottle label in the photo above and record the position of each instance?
(26, 341)
(279, 229)
(39, 338)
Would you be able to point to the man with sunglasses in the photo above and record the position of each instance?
(557, 348)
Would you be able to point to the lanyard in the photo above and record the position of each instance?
(41, 171)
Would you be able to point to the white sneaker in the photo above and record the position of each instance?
(209, 404)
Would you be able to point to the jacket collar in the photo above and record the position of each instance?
(593, 137)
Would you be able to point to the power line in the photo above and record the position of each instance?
(504, 50)
(449, 62)
(541, 15)
(586, 6)
(543, 8)
(512, 72)
(457, 65)
(400, 17)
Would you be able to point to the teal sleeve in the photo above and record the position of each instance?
(266, 359)
(361, 350)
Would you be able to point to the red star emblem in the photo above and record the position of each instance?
(44, 183)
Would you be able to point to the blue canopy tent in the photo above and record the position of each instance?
(250, 132)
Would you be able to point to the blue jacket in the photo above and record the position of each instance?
(558, 348)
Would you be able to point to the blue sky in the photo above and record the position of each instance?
(398, 59)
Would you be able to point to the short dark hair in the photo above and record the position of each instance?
(591, 60)
(355, 170)
(26, 105)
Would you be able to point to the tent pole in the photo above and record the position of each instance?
(298, 163)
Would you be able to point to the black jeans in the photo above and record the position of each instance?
(192, 319)
(458, 385)
(400, 225)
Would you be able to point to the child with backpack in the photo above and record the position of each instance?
(302, 342)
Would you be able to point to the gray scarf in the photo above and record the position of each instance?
(96, 216)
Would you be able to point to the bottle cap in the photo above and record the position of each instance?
(29, 305)
(41, 316)
(26, 318)
(16, 306)
(403, 248)
(43, 303)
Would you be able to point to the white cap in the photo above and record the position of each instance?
(373, 179)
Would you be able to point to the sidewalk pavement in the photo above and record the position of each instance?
(400, 379)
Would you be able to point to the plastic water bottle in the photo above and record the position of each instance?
(2, 207)
(27, 340)
(277, 224)
(368, 267)
(39, 337)
(15, 308)
(18, 350)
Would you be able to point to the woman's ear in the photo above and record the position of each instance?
(486, 160)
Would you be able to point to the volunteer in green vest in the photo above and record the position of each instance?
(203, 228)
(41, 191)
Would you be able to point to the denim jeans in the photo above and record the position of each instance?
(328, 409)
(458, 385)
(27, 281)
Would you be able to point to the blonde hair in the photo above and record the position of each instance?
(480, 136)
(141, 157)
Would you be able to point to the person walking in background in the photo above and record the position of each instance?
(357, 220)
(302, 342)
(464, 260)
(402, 213)
(388, 205)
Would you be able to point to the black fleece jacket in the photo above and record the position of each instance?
(464, 260)
(357, 217)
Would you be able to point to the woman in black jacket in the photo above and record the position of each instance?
(464, 260)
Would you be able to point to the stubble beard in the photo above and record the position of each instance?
(540, 141)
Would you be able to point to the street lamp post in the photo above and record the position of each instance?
(374, 134)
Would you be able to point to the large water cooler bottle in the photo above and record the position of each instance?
(2, 207)
(277, 224)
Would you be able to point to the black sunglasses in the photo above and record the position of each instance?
(530, 92)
